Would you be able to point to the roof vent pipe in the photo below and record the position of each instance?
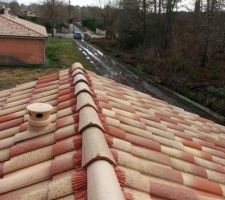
(39, 114)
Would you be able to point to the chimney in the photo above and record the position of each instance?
(39, 115)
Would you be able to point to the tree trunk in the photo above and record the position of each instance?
(144, 21)
(197, 6)
(155, 6)
(208, 6)
(205, 57)
(52, 27)
(168, 25)
(160, 5)
(168, 33)
(224, 42)
(213, 6)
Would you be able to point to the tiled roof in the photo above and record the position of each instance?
(106, 141)
(15, 27)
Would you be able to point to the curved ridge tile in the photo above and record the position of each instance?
(79, 78)
(77, 71)
(88, 117)
(85, 99)
(96, 155)
(102, 177)
(94, 147)
(82, 87)
(77, 65)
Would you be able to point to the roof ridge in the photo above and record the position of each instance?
(24, 25)
(96, 155)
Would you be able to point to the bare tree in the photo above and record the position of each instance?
(170, 5)
(197, 6)
(51, 12)
(144, 13)
(213, 23)
(14, 7)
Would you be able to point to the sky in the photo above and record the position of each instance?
(73, 2)
(182, 6)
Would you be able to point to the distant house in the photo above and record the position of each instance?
(21, 42)
(28, 13)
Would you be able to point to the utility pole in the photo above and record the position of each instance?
(69, 10)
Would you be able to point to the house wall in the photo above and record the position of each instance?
(15, 51)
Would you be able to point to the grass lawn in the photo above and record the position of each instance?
(61, 53)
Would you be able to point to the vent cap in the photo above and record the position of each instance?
(39, 114)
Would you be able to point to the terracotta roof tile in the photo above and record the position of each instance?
(34, 174)
(126, 144)
(171, 192)
(11, 123)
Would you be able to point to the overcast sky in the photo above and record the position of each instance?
(182, 6)
(73, 2)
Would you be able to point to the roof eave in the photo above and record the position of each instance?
(24, 37)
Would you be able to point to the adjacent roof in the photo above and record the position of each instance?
(106, 141)
(13, 26)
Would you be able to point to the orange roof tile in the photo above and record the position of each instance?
(106, 141)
